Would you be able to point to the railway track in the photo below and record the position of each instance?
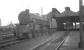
(53, 44)
(10, 42)
(60, 44)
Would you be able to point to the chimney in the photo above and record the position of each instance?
(54, 9)
(67, 8)
(27, 11)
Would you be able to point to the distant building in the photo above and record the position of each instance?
(66, 16)
(50, 17)
(52, 14)
(11, 25)
(53, 23)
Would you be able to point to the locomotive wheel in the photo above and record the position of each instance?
(19, 36)
(25, 35)
(30, 35)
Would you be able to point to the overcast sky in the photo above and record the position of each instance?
(9, 9)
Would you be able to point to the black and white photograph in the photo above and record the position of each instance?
(41, 24)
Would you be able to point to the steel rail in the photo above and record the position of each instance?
(56, 42)
(10, 43)
(61, 43)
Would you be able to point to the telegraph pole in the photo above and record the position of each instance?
(41, 10)
(81, 44)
